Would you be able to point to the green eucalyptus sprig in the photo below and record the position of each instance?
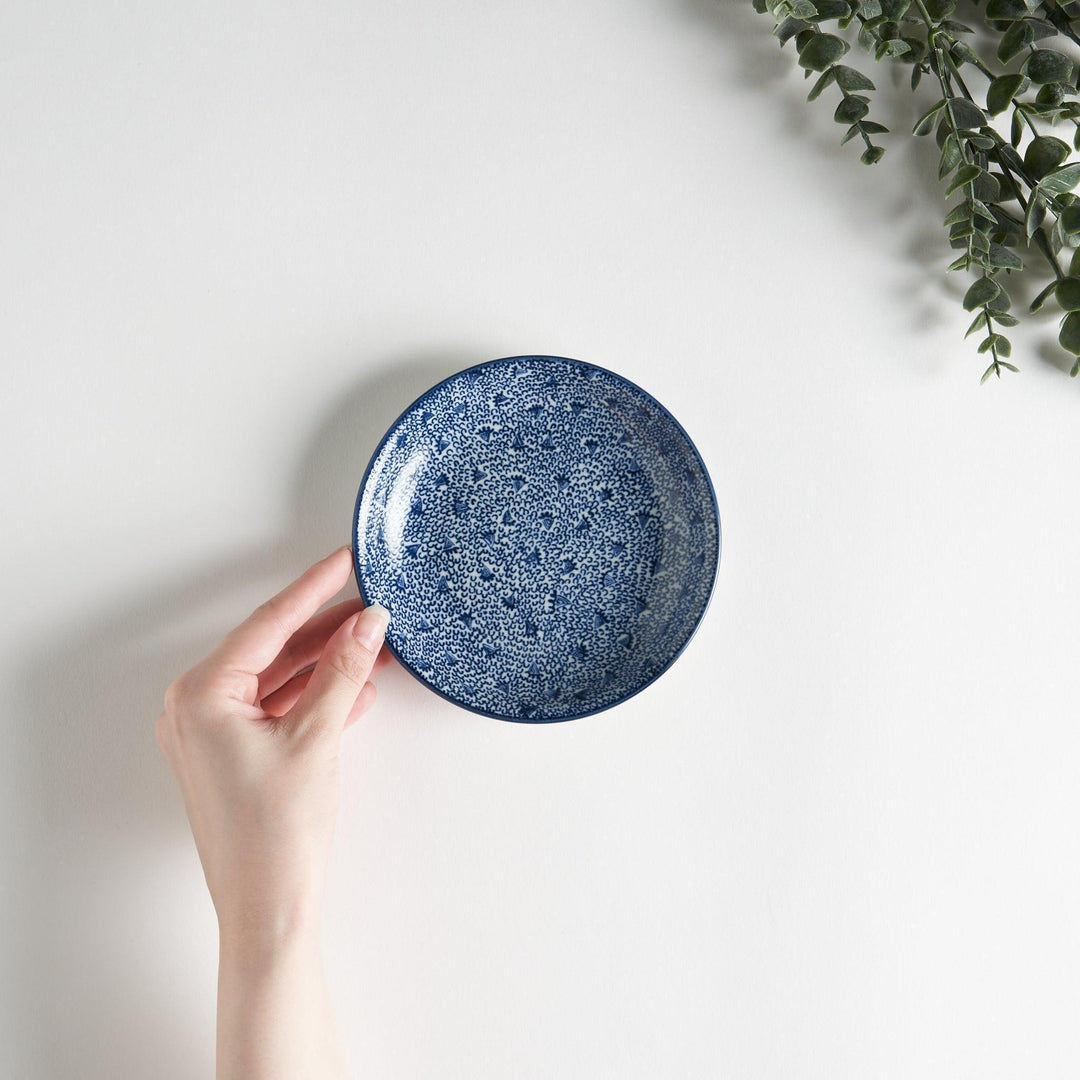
(1013, 194)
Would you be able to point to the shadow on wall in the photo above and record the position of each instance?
(903, 189)
(102, 818)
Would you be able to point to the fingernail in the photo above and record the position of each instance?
(370, 628)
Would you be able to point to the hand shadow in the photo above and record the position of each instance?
(103, 824)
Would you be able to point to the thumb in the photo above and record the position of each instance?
(342, 670)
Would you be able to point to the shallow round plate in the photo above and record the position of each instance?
(544, 534)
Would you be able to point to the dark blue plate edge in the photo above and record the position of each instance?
(587, 366)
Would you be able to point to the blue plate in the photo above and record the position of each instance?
(544, 534)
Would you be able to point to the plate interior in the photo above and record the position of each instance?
(544, 535)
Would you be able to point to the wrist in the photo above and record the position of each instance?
(259, 935)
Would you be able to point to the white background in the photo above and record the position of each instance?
(837, 839)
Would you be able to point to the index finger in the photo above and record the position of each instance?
(254, 644)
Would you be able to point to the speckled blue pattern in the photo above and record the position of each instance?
(544, 535)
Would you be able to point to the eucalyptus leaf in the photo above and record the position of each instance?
(1041, 299)
(986, 189)
(894, 10)
(891, 47)
(1036, 212)
(1052, 95)
(999, 344)
(1045, 154)
(830, 9)
(851, 108)
(821, 51)
(1017, 38)
(1069, 334)
(1057, 238)
(1067, 293)
(963, 53)
(1070, 220)
(1016, 127)
(958, 213)
(981, 290)
(847, 78)
(951, 156)
(1009, 190)
(1004, 222)
(939, 9)
(1002, 257)
(925, 124)
(1006, 10)
(964, 175)
(1048, 66)
(822, 84)
(966, 114)
(1002, 90)
(916, 50)
(789, 28)
(1061, 180)
(977, 324)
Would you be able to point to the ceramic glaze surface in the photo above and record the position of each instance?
(544, 535)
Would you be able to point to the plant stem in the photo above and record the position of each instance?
(935, 65)
(865, 137)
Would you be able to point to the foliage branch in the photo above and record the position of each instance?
(1014, 194)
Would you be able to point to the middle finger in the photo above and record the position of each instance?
(306, 645)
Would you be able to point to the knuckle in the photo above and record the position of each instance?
(177, 691)
(186, 690)
(271, 611)
(353, 664)
(184, 687)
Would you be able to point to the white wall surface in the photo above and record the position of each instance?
(836, 840)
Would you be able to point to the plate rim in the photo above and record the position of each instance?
(505, 360)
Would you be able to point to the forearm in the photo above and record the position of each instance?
(275, 1019)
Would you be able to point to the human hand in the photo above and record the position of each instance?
(253, 740)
